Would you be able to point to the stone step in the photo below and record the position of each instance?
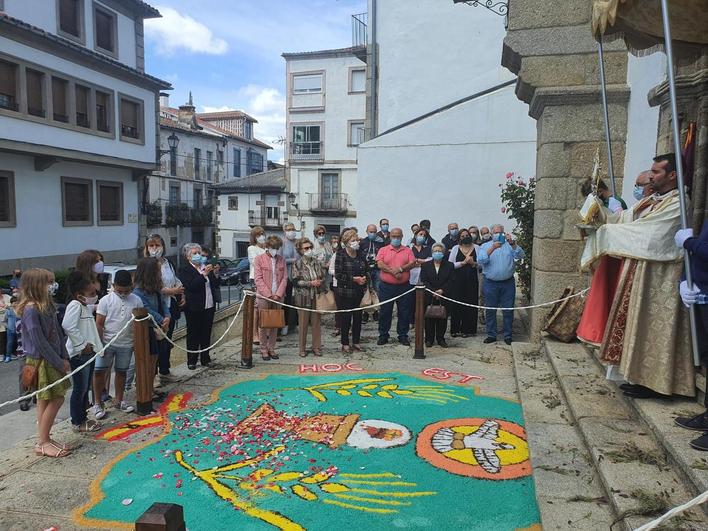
(639, 477)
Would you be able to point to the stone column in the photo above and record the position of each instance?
(550, 47)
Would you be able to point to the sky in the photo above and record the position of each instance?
(228, 52)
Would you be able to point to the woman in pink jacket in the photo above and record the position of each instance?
(271, 280)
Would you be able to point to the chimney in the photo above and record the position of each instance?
(186, 115)
(164, 99)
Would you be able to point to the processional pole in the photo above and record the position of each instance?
(608, 139)
(679, 167)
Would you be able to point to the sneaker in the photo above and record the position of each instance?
(701, 443)
(98, 411)
(697, 423)
(442, 343)
(6, 359)
(404, 341)
(382, 340)
(284, 331)
(507, 340)
(125, 407)
(428, 344)
(490, 340)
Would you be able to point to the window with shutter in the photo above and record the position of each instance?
(35, 93)
(82, 95)
(105, 31)
(104, 114)
(110, 203)
(7, 199)
(60, 103)
(70, 14)
(237, 162)
(130, 119)
(306, 84)
(8, 86)
(77, 202)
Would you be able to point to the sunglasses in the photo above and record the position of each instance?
(307, 248)
(320, 234)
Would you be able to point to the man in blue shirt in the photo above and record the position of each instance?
(698, 296)
(497, 260)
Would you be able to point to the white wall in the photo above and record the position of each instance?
(39, 231)
(431, 53)
(43, 14)
(643, 73)
(448, 167)
(44, 134)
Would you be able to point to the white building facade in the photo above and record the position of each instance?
(326, 98)
(444, 124)
(257, 200)
(197, 155)
(78, 129)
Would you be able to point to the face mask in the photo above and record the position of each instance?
(474, 236)
(335, 245)
(438, 255)
(499, 237)
(371, 235)
(384, 228)
(467, 240)
(354, 246)
(204, 260)
(321, 239)
(122, 295)
(52, 288)
(638, 192)
(454, 232)
(18, 275)
(155, 253)
(261, 239)
(90, 300)
(273, 252)
(486, 237)
(396, 242)
(290, 235)
(196, 258)
(98, 267)
(420, 240)
(309, 253)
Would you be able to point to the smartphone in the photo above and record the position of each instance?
(501, 238)
(214, 261)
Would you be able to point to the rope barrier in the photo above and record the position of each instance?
(231, 324)
(583, 292)
(70, 374)
(702, 498)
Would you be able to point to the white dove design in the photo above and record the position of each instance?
(482, 443)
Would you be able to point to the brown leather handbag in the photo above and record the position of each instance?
(274, 318)
(325, 301)
(436, 311)
(30, 375)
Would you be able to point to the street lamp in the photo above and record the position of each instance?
(173, 142)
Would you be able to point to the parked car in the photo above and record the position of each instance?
(234, 271)
(111, 269)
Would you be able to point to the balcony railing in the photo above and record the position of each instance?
(129, 131)
(266, 218)
(359, 29)
(329, 203)
(306, 150)
(164, 213)
(82, 119)
(7, 101)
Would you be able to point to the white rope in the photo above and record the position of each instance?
(513, 307)
(231, 324)
(702, 498)
(69, 375)
(380, 303)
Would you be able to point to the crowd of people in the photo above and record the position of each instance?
(54, 338)
(358, 270)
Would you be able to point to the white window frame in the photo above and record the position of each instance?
(350, 135)
(310, 90)
(233, 202)
(353, 69)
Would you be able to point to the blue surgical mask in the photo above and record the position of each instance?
(454, 232)
(396, 242)
(371, 235)
(196, 258)
(205, 260)
(420, 240)
(438, 255)
(638, 192)
(384, 228)
(321, 239)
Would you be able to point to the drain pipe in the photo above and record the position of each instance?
(374, 70)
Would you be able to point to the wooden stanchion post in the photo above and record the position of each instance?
(247, 333)
(162, 517)
(144, 364)
(419, 323)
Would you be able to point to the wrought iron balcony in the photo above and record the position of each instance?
(82, 119)
(7, 101)
(129, 131)
(359, 29)
(163, 213)
(331, 204)
(266, 217)
(307, 151)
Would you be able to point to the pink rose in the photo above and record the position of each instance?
(510, 175)
(503, 210)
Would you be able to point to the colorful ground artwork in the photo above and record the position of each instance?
(363, 451)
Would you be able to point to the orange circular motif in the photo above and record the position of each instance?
(498, 452)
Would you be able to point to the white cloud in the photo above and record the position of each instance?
(265, 104)
(175, 32)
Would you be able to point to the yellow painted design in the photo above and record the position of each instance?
(260, 474)
(287, 476)
(394, 494)
(518, 454)
(384, 394)
(317, 478)
(372, 500)
(334, 487)
(389, 483)
(361, 508)
(364, 394)
(304, 493)
(343, 392)
(381, 475)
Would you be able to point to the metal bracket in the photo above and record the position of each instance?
(500, 7)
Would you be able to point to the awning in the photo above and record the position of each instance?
(639, 23)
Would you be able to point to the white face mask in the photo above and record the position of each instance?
(98, 267)
(155, 253)
(91, 300)
(261, 239)
(309, 253)
(290, 235)
(273, 252)
(354, 246)
(52, 288)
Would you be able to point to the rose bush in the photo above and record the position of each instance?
(517, 196)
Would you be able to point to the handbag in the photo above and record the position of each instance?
(370, 298)
(30, 376)
(274, 318)
(563, 321)
(436, 311)
(325, 301)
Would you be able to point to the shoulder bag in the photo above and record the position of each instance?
(30, 375)
(370, 298)
(325, 301)
(274, 318)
